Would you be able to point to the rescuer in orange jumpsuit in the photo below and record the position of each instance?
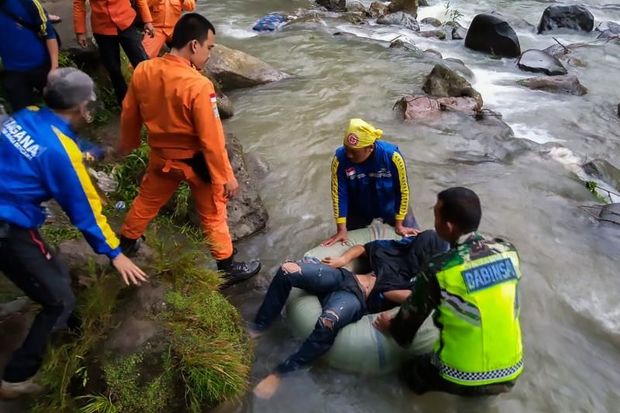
(177, 104)
(165, 14)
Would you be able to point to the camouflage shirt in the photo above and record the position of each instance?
(426, 295)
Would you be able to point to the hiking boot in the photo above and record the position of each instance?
(130, 247)
(237, 271)
(9, 391)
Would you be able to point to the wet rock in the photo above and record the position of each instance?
(537, 61)
(454, 31)
(333, 5)
(357, 7)
(490, 34)
(514, 21)
(439, 34)
(433, 53)
(408, 46)
(258, 167)
(609, 215)
(377, 9)
(608, 35)
(225, 106)
(421, 106)
(575, 17)
(407, 6)
(603, 170)
(400, 19)
(444, 82)
(246, 211)
(459, 66)
(423, 3)
(234, 69)
(354, 17)
(612, 27)
(431, 21)
(556, 84)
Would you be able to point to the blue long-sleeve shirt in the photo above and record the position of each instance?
(375, 188)
(40, 160)
(21, 49)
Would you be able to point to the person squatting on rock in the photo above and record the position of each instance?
(474, 291)
(345, 297)
(114, 26)
(165, 14)
(29, 50)
(177, 104)
(41, 160)
(369, 180)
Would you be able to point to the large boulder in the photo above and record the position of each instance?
(234, 69)
(490, 34)
(421, 106)
(575, 17)
(333, 5)
(377, 9)
(246, 211)
(408, 6)
(556, 84)
(400, 18)
(444, 82)
(537, 61)
(603, 170)
(225, 106)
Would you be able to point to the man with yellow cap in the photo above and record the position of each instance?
(369, 180)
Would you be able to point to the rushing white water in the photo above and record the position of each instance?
(531, 185)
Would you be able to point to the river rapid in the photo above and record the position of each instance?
(528, 182)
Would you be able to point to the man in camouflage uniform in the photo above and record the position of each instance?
(473, 289)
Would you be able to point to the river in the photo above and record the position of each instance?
(528, 184)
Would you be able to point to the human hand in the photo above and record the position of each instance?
(334, 262)
(231, 188)
(383, 321)
(149, 29)
(81, 39)
(341, 236)
(129, 271)
(404, 231)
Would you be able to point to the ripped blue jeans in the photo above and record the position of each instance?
(340, 306)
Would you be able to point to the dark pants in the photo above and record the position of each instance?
(422, 376)
(340, 306)
(28, 263)
(109, 50)
(24, 88)
(357, 221)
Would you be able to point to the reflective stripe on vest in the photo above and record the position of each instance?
(480, 340)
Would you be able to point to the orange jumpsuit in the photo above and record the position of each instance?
(177, 105)
(165, 14)
(108, 16)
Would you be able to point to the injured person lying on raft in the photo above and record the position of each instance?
(345, 297)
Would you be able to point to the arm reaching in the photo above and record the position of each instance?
(351, 254)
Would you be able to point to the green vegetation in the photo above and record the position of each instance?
(594, 189)
(452, 14)
(201, 357)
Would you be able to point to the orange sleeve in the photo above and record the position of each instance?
(211, 134)
(189, 5)
(131, 120)
(79, 16)
(145, 13)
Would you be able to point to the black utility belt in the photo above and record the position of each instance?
(199, 166)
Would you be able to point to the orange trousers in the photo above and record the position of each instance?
(153, 45)
(161, 180)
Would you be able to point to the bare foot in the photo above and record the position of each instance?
(267, 386)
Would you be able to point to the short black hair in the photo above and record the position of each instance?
(191, 26)
(461, 206)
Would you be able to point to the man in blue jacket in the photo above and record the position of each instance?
(40, 161)
(369, 180)
(29, 50)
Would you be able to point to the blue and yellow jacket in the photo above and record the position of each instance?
(41, 160)
(376, 188)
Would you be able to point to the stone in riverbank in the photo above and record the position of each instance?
(333, 5)
(537, 61)
(422, 106)
(234, 69)
(444, 82)
(605, 171)
(431, 21)
(400, 19)
(574, 17)
(407, 6)
(490, 34)
(377, 9)
(556, 84)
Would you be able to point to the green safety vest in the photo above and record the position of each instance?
(478, 315)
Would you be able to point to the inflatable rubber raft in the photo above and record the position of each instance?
(359, 347)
